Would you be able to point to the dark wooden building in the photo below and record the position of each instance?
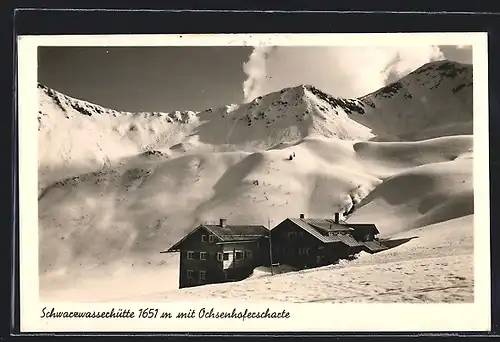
(220, 253)
(311, 242)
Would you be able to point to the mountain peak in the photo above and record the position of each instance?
(444, 68)
(429, 76)
(423, 104)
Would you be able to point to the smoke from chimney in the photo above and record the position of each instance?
(255, 69)
(342, 71)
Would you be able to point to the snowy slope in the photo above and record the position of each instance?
(432, 101)
(121, 218)
(76, 135)
(435, 267)
(419, 197)
(117, 188)
(284, 116)
(142, 206)
(280, 117)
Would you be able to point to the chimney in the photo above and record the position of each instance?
(223, 223)
(302, 216)
(337, 218)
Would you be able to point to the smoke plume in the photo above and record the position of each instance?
(340, 71)
(255, 69)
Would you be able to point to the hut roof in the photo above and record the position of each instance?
(226, 233)
(327, 231)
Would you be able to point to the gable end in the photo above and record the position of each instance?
(178, 246)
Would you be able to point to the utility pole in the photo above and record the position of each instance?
(270, 245)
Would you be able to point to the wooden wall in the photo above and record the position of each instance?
(211, 265)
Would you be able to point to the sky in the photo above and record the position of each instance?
(196, 78)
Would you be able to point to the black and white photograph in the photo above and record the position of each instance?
(260, 169)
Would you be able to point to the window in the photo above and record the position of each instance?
(203, 255)
(238, 255)
(226, 256)
(219, 256)
(203, 275)
(291, 235)
(301, 234)
(249, 254)
(190, 274)
(203, 238)
(304, 251)
(190, 255)
(210, 238)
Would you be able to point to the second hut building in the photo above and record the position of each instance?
(311, 242)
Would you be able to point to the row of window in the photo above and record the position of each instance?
(202, 275)
(338, 233)
(300, 234)
(301, 251)
(304, 251)
(220, 256)
(209, 237)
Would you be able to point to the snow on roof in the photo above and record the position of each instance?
(238, 232)
(363, 227)
(327, 225)
(374, 246)
(349, 240)
(314, 225)
(227, 233)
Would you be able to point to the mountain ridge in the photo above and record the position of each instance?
(282, 117)
(447, 68)
(431, 76)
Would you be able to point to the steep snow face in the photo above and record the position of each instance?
(434, 100)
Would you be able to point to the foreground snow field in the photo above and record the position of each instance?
(434, 267)
(437, 267)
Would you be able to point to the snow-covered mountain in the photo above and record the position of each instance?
(117, 187)
(76, 136)
(432, 101)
